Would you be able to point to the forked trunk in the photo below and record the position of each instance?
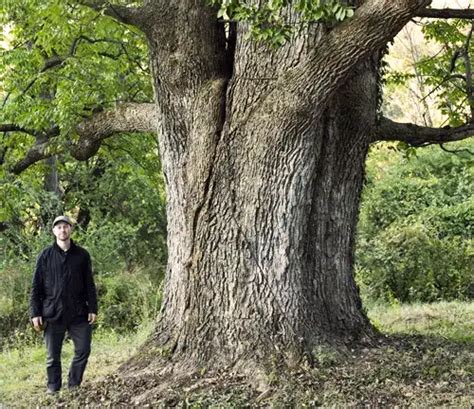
(262, 210)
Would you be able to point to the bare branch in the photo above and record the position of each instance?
(455, 151)
(36, 153)
(416, 135)
(467, 14)
(17, 128)
(129, 117)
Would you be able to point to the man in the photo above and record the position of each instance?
(63, 298)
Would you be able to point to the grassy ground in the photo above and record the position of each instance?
(426, 359)
(453, 321)
(23, 372)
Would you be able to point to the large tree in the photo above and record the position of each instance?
(263, 143)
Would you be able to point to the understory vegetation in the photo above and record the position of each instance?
(415, 240)
(118, 203)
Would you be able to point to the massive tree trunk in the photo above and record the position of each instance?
(261, 252)
(263, 154)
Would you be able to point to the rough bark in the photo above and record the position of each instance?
(128, 117)
(51, 179)
(271, 267)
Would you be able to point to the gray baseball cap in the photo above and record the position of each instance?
(64, 219)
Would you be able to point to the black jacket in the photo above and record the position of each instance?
(63, 287)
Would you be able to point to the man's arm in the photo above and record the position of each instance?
(90, 291)
(36, 295)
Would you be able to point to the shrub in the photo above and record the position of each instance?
(14, 302)
(411, 263)
(415, 231)
(126, 299)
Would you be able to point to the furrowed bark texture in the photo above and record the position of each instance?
(263, 153)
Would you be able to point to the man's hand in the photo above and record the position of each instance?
(37, 323)
(91, 317)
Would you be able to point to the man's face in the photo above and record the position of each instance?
(62, 231)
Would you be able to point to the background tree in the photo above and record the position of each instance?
(62, 63)
(263, 153)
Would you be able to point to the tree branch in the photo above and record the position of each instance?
(416, 135)
(455, 151)
(89, 40)
(17, 128)
(127, 117)
(374, 23)
(446, 13)
(37, 152)
(57, 60)
(468, 67)
(135, 16)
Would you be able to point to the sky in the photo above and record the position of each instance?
(451, 4)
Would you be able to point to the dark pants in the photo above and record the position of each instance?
(81, 335)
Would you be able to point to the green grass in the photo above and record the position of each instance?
(23, 371)
(426, 360)
(453, 321)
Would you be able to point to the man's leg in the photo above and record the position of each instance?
(81, 335)
(54, 337)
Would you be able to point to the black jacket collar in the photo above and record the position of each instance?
(60, 250)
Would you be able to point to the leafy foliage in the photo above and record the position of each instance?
(270, 21)
(416, 228)
(62, 61)
(445, 70)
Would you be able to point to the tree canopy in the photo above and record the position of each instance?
(69, 63)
